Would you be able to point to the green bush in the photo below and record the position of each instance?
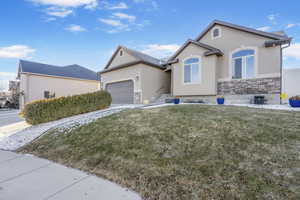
(42, 111)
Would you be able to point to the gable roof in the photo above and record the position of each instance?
(276, 36)
(70, 71)
(210, 50)
(129, 64)
(138, 55)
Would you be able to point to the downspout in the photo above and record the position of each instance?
(281, 68)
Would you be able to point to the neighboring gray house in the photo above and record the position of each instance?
(225, 59)
(39, 81)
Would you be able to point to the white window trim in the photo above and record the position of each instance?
(212, 33)
(199, 70)
(230, 64)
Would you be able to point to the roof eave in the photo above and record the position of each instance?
(210, 53)
(241, 28)
(273, 43)
(129, 65)
(211, 50)
(169, 62)
(55, 76)
(112, 57)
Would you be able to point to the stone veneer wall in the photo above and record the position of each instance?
(250, 86)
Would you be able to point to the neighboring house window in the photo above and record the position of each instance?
(52, 95)
(216, 33)
(121, 53)
(46, 94)
(243, 64)
(192, 70)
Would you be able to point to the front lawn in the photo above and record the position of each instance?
(187, 152)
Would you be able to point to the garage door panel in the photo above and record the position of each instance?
(121, 92)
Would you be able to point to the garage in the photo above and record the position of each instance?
(121, 92)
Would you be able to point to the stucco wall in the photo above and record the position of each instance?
(268, 59)
(207, 86)
(128, 73)
(125, 58)
(147, 80)
(35, 85)
(290, 82)
(154, 83)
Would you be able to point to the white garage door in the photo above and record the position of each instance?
(121, 92)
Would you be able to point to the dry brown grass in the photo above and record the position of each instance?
(187, 152)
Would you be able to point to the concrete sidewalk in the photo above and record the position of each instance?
(30, 178)
(6, 131)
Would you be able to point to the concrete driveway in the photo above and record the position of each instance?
(8, 117)
(30, 178)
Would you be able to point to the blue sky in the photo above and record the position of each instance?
(86, 32)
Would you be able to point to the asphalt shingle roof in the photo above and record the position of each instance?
(211, 50)
(70, 71)
(138, 55)
(143, 57)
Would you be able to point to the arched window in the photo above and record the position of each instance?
(192, 70)
(243, 64)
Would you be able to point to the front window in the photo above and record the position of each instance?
(243, 64)
(192, 70)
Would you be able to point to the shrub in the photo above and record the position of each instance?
(42, 111)
(295, 98)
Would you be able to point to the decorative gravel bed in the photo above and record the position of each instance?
(25, 136)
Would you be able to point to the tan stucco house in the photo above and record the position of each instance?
(236, 62)
(133, 77)
(41, 81)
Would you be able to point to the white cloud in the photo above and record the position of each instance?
(5, 77)
(50, 19)
(16, 51)
(160, 51)
(68, 3)
(293, 51)
(64, 8)
(272, 18)
(117, 24)
(152, 4)
(58, 12)
(120, 22)
(119, 15)
(111, 22)
(264, 28)
(290, 26)
(75, 28)
(119, 6)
